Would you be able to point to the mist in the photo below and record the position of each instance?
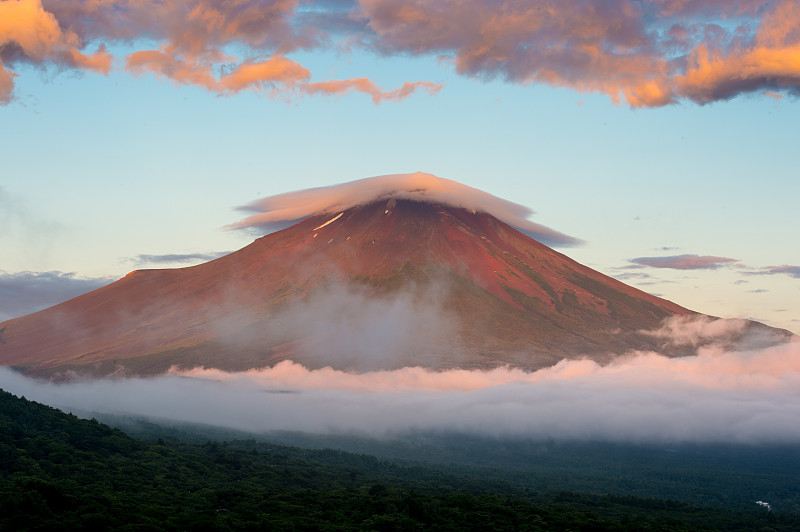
(745, 396)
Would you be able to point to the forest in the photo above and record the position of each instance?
(58, 471)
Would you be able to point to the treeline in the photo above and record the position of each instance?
(61, 472)
(720, 475)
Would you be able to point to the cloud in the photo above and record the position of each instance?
(25, 292)
(368, 87)
(632, 275)
(732, 396)
(791, 271)
(642, 54)
(697, 330)
(194, 39)
(170, 258)
(276, 212)
(684, 262)
(277, 76)
(29, 34)
(348, 327)
(765, 59)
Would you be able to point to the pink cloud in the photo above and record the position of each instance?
(684, 262)
(786, 269)
(274, 211)
(713, 367)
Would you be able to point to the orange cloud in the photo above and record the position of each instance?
(191, 37)
(771, 62)
(29, 33)
(368, 87)
(253, 75)
(713, 77)
(180, 71)
(276, 70)
(277, 74)
(589, 46)
(6, 84)
(645, 53)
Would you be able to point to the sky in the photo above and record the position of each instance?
(660, 134)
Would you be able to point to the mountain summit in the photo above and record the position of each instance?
(386, 284)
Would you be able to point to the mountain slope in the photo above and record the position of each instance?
(383, 285)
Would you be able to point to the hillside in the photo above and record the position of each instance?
(378, 286)
(58, 471)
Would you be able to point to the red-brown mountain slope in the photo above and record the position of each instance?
(382, 285)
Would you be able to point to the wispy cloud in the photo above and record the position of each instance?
(171, 258)
(276, 212)
(633, 276)
(791, 271)
(684, 262)
(25, 292)
(642, 54)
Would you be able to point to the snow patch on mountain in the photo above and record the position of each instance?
(329, 221)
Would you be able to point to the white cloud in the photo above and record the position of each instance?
(277, 212)
(744, 396)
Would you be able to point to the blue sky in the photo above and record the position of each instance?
(100, 169)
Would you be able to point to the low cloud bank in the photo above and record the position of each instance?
(279, 211)
(745, 396)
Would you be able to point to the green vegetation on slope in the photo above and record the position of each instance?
(61, 472)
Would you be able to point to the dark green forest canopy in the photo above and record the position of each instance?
(61, 472)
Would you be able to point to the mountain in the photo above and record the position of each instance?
(382, 285)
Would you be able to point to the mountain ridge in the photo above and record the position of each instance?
(446, 287)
